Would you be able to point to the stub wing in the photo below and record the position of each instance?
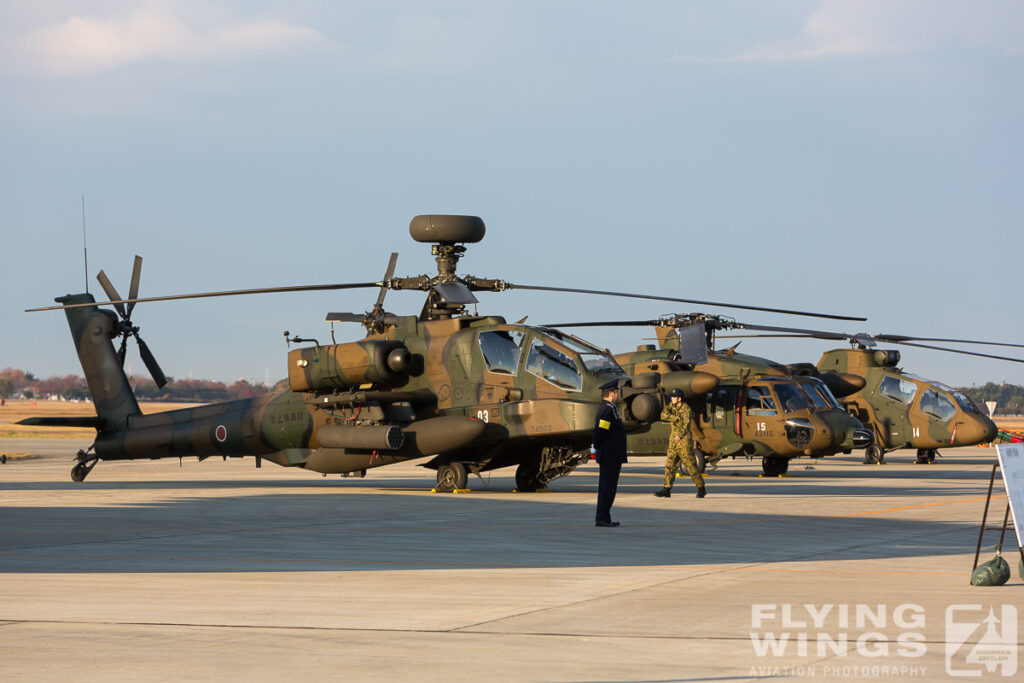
(96, 423)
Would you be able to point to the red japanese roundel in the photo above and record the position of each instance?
(221, 433)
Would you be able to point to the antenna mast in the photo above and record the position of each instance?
(85, 248)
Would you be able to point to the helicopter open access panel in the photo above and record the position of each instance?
(473, 391)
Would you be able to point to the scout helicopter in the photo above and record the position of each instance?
(901, 409)
(759, 408)
(473, 391)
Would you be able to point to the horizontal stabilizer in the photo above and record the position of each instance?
(96, 423)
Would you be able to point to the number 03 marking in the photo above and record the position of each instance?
(482, 415)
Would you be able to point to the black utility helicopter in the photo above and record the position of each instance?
(473, 391)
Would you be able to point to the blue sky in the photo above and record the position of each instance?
(863, 158)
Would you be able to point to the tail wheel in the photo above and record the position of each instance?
(451, 477)
(774, 465)
(922, 457)
(81, 470)
(874, 455)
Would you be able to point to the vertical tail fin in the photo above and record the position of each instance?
(93, 328)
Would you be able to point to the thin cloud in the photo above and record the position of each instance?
(856, 29)
(81, 45)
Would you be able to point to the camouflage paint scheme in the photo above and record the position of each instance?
(898, 423)
(425, 385)
(722, 425)
(428, 378)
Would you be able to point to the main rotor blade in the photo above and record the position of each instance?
(334, 317)
(887, 341)
(966, 353)
(388, 274)
(108, 287)
(117, 301)
(716, 324)
(862, 338)
(133, 290)
(762, 336)
(899, 339)
(818, 334)
(606, 323)
(653, 297)
(150, 360)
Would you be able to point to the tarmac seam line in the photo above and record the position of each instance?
(458, 631)
(584, 601)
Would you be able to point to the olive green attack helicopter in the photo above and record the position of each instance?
(901, 409)
(474, 392)
(760, 409)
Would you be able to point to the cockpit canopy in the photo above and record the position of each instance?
(936, 399)
(789, 396)
(552, 356)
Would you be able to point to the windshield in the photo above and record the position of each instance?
(966, 403)
(936, 405)
(822, 389)
(790, 398)
(594, 359)
(552, 365)
(501, 351)
(817, 399)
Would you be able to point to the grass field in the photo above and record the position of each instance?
(18, 409)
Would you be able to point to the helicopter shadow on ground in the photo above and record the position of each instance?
(98, 483)
(357, 530)
(638, 476)
(828, 479)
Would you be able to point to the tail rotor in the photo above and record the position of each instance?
(126, 328)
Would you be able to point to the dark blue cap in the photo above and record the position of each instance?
(677, 392)
(608, 386)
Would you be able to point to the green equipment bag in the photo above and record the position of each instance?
(995, 572)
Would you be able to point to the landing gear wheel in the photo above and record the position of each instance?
(774, 465)
(700, 459)
(925, 456)
(931, 455)
(528, 476)
(874, 454)
(451, 477)
(80, 471)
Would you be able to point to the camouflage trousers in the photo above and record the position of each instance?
(681, 452)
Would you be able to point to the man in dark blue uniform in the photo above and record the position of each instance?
(610, 449)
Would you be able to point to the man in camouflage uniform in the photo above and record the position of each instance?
(680, 445)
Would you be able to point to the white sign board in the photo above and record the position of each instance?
(1011, 463)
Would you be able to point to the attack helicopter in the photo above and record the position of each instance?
(475, 392)
(759, 408)
(901, 409)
